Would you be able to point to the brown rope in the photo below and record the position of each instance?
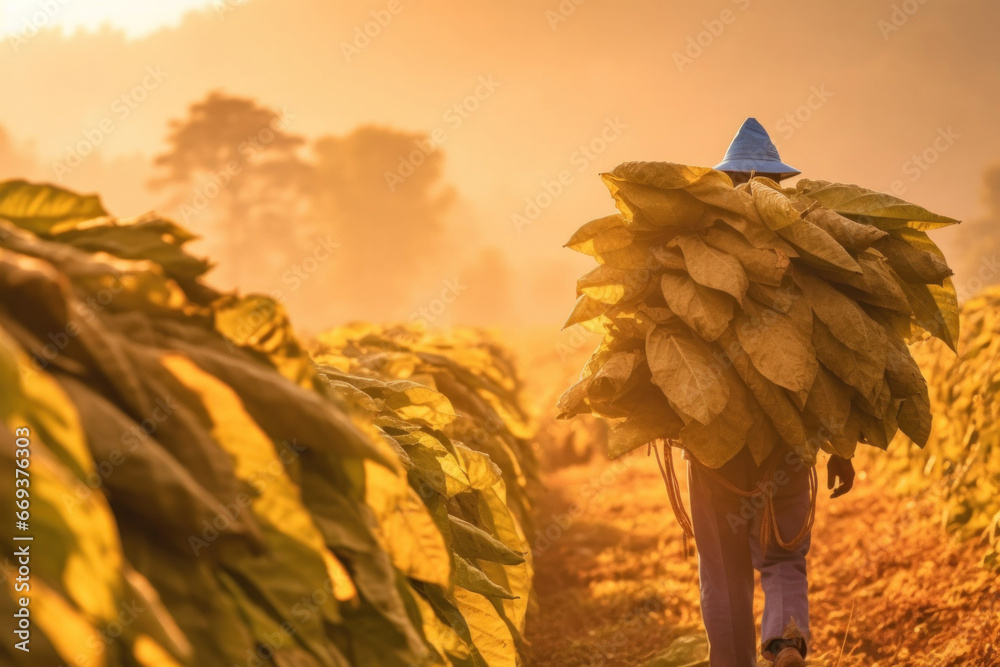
(769, 521)
(673, 490)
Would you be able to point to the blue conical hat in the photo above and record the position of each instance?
(753, 150)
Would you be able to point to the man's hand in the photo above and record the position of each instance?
(840, 467)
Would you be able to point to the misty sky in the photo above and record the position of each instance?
(887, 94)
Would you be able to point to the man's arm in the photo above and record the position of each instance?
(843, 468)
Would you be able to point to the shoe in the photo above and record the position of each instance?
(789, 657)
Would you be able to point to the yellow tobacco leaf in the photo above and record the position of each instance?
(877, 208)
(762, 265)
(774, 401)
(716, 442)
(779, 344)
(688, 375)
(814, 244)
(489, 632)
(653, 209)
(650, 419)
(705, 310)
(601, 236)
(713, 268)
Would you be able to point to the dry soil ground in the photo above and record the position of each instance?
(615, 589)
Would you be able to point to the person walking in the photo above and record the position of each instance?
(748, 517)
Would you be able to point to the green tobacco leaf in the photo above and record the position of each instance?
(471, 578)
(688, 375)
(472, 542)
(46, 209)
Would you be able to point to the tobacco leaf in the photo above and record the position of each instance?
(779, 344)
(935, 310)
(814, 245)
(670, 258)
(914, 257)
(774, 401)
(648, 208)
(852, 235)
(601, 236)
(877, 285)
(861, 369)
(828, 406)
(652, 418)
(762, 265)
(876, 208)
(718, 441)
(708, 185)
(779, 298)
(705, 310)
(610, 285)
(688, 374)
(713, 268)
(915, 418)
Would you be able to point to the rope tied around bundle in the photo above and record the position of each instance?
(769, 521)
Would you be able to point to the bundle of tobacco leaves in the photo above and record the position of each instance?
(757, 315)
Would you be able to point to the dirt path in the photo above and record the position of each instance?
(614, 588)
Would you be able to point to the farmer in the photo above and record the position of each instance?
(746, 517)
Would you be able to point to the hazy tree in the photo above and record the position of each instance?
(379, 193)
(236, 160)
